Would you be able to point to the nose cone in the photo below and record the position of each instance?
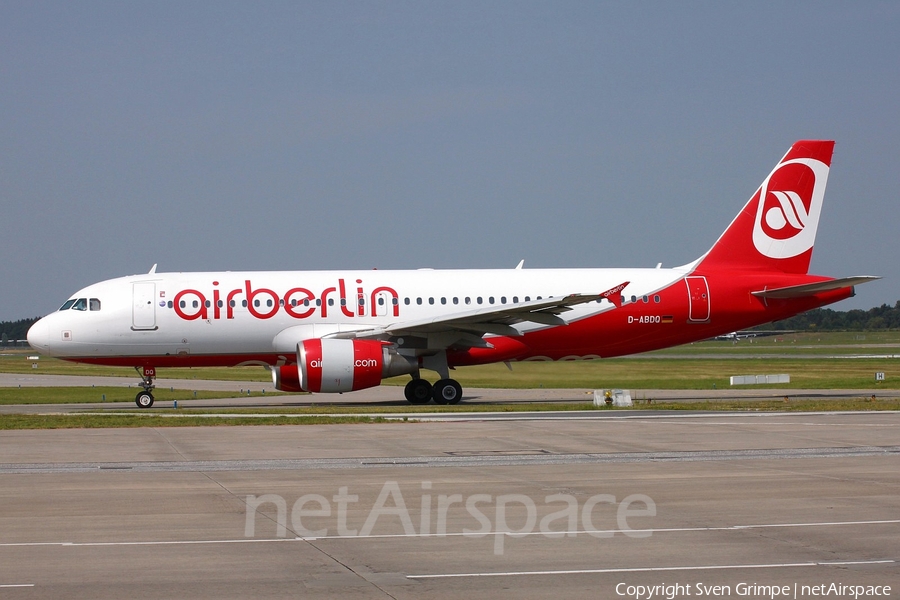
(39, 337)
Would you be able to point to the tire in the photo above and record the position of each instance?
(144, 399)
(418, 391)
(447, 391)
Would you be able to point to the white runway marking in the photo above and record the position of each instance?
(16, 585)
(573, 533)
(550, 534)
(152, 543)
(651, 569)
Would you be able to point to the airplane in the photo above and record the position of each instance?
(736, 336)
(341, 331)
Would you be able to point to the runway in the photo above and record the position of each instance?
(527, 508)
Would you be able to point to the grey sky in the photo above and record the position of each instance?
(214, 136)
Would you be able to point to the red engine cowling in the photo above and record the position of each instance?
(286, 378)
(333, 365)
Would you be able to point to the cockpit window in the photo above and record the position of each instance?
(94, 303)
(67, 305)
(80, 304)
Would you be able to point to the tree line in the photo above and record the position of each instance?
(826, 319)
(15, 330)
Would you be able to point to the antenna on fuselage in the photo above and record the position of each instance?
(521, 264)
(152, 269)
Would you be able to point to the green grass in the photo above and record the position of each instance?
(673, 368)
(15, 361)
(703, 365)
(381, 414)
(79, 395)
(788, 405)
(805, 342)
(786, 344)
(680, 374)
(791, 404)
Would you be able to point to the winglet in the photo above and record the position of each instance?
(614, 295)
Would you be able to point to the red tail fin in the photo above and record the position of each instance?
(776, 229)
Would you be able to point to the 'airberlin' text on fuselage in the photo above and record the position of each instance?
(297, 302)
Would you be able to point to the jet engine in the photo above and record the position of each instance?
(335, 365)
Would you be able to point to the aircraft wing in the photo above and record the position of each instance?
(797, 291)
(472, 324)
(498, 319)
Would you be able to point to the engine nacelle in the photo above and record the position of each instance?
(286, 378)
(335, 365)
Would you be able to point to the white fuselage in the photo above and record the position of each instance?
(256, 313)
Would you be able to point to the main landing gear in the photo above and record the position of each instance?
(444, 391)
(144, 399)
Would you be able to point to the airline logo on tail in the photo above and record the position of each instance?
(790, 200)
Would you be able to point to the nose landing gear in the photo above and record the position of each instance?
(144, 399)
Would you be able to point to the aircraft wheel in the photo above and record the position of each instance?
(144, 399)
(447, 391)
(418, 391)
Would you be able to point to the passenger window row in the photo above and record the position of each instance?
(644, 299)
(395, 301)
(466, 300)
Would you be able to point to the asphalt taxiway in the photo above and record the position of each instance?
(526, 508)
(383, 395)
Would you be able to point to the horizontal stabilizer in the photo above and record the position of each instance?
(809, 289)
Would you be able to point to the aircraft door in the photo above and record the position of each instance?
(698, 298)
(143, 309)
